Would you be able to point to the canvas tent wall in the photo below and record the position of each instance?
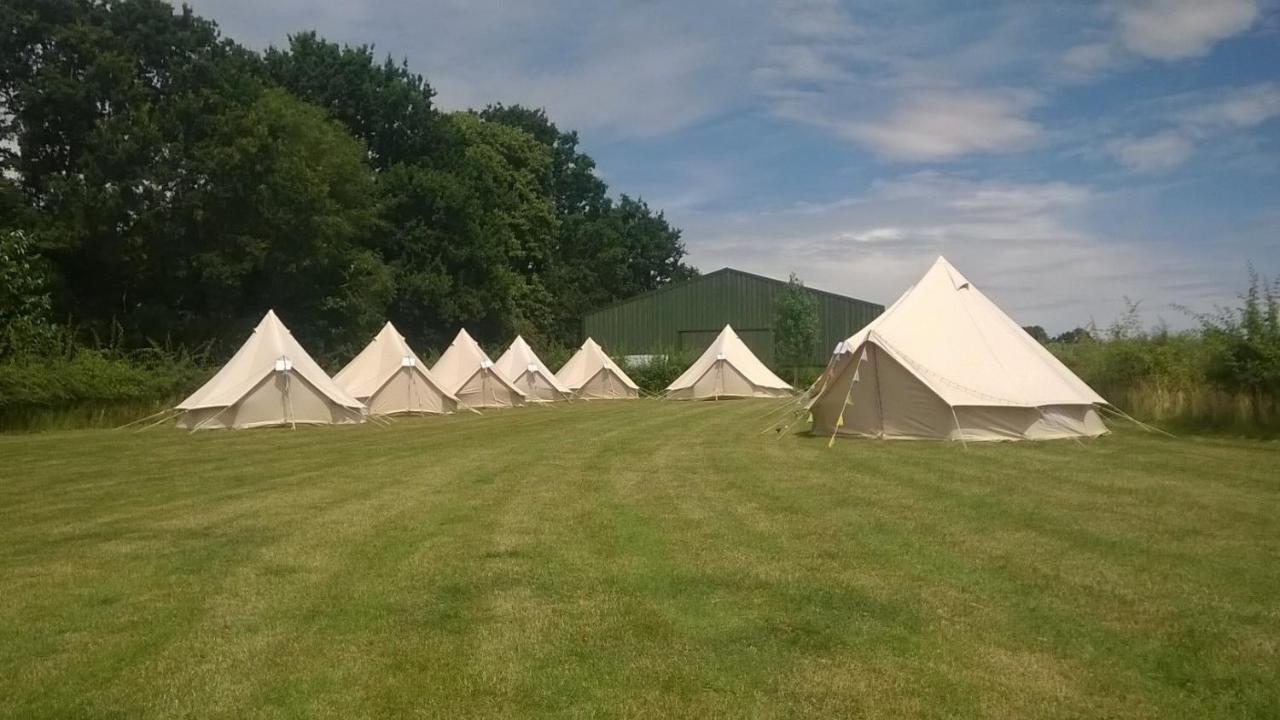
(390, 378)
(270, 380)
(467, 372)
(944, 362)
(727, 369)
(527, 372)
(593, 375)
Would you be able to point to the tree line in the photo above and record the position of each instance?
(162, 183)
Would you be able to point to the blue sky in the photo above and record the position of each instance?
(1062, 155)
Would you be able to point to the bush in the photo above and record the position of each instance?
(95, 386)
(659, 370)
(25, 303)
(1225, 375)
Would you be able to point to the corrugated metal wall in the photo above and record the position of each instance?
(688, 315)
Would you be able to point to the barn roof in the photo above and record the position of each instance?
(722, 271)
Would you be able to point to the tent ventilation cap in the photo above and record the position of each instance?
(408, 361)
(284, 364)
(486, 363)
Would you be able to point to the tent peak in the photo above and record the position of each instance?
(272, 321)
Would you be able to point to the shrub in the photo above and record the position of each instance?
(1226, 374)
(95, 386)
(659, 370)
(25, 301)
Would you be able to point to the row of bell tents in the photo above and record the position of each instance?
(942, 362)
(272, 380)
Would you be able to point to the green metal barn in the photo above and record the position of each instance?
(687, 316)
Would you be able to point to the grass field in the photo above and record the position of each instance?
(634, 559)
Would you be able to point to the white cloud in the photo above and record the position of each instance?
(1026, 244)
(797, 63)
(875, 235)
(1202, 118)
(938, 125)
(1167, 30)
(907, 83)
(1083, 62)
(611, 70)
(815, 19)
(1177, 29)
(622, 92)
(1241, 107)
(1153, 153)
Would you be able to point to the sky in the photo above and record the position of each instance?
(1064, 156)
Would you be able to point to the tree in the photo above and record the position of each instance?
(178, 184)
(279, 216)
(501, 223)
(577, 189)
(795, 326)
(172, 192)
(25, 303)
(1037, 332)
(384, 104)
(1075, 335)
(603, 250)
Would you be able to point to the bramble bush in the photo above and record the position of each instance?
(659, 370)
(1224, 374)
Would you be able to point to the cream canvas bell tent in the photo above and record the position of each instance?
(592, 375)
(389, 378)
(467, 372)
(945, 362)
(270, 380)
(527, 372)
(728, 369)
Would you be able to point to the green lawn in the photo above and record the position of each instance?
(634, 559)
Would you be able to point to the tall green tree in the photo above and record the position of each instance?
(469, 216)
(172, 191)
(577, 189)
(384, 104)
(281, 217)
(795, 326)
(470, 247)
(603, 250)
(178, 184)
